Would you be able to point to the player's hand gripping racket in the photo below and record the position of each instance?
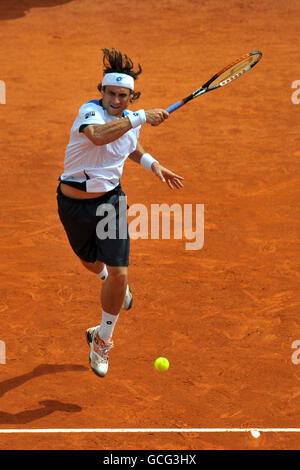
(233, 71)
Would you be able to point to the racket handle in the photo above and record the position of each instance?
(175, 106)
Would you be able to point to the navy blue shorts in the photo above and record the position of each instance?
(97, 228)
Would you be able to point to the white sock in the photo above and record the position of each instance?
(103, 274)
(107, 326)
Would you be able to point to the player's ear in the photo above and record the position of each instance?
(99, 87)
(131, 99)
(135, 96)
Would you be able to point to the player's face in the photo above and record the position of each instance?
(115, 99)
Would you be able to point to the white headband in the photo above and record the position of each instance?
(118, 79)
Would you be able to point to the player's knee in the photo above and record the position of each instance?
(118, 277)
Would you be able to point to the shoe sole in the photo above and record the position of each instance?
(96, 373)
(130, 304)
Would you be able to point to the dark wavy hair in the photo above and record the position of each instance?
(115, 61)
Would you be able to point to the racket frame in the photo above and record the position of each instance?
(205, 88)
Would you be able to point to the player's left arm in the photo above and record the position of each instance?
(163, 174)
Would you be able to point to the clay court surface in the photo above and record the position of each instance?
(225, 315)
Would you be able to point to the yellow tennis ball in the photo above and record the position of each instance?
(161, 364)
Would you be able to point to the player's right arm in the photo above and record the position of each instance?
(102, 134)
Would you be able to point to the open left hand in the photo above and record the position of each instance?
(167, 176)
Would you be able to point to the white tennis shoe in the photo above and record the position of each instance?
(99, 352)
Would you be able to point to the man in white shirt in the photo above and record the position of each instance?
(104, 134)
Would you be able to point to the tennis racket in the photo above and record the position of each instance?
(227, 75)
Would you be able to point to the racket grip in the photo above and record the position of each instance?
(175, 106)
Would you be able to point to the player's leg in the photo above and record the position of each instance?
(114, 289)
(112, 298)
(115, 293)
(100, 337)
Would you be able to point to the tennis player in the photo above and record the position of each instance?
(104, 134)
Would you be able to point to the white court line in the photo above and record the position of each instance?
(145, 430)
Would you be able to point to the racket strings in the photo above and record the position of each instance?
(235, 69)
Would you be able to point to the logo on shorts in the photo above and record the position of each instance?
(109, 322)
(91, 113)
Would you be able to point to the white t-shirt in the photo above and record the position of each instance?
(100, 166)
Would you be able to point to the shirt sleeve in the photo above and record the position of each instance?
(89, 114)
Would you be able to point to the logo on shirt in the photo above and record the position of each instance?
(91, 113)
